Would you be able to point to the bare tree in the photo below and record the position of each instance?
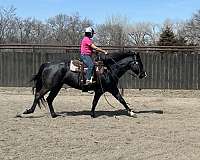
(32, 31)
(66, 29)
(7, 24)
(112, 32)
(191, 30)
(69, 29)
(61, 29)
(143, 33)
(75, 28)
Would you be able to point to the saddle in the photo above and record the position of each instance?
(79, 67)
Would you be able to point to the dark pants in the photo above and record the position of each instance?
(87, 60)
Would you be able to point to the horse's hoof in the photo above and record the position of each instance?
(92, 115)
(132, 114)
(27, 111)
(18, 115)
(55, 115)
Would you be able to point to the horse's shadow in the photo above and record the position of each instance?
(105, 113)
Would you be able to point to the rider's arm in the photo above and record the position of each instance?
(98, 49)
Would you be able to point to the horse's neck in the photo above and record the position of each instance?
(119, 69)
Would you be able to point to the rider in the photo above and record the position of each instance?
(87, 47)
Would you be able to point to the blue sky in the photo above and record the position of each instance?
(98, 10)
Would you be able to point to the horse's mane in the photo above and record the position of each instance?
(114, 57)
(109, 59)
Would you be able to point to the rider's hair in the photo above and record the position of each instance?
(88, 34)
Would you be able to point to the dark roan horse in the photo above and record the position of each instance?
(51, 77)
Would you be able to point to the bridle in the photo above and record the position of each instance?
(135, 62)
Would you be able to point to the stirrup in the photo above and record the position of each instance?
(88, 82)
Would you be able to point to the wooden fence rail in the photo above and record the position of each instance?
(171, 67)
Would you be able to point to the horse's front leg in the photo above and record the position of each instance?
(94, 103)
(115, 92)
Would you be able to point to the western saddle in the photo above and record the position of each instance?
(79, 66)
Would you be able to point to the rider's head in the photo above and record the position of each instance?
(89, 32)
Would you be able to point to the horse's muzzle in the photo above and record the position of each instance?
(143, 75)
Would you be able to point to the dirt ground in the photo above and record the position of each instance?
(112, 135)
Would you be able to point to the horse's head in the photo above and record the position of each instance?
(134, 62)
(136, 66)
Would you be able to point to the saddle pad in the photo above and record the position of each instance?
(75, 68)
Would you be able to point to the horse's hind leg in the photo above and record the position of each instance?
(38, 95)
(53, 93)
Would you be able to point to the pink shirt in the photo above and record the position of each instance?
(86, 48)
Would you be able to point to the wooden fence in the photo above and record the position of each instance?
(167, 67)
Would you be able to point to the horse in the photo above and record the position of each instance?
(51, 77)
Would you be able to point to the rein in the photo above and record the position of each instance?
(133, 75)
(111, 74)
(104, 93)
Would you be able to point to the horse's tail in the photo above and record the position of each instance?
(37, 78)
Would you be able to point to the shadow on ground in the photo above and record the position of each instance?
(106, 113)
